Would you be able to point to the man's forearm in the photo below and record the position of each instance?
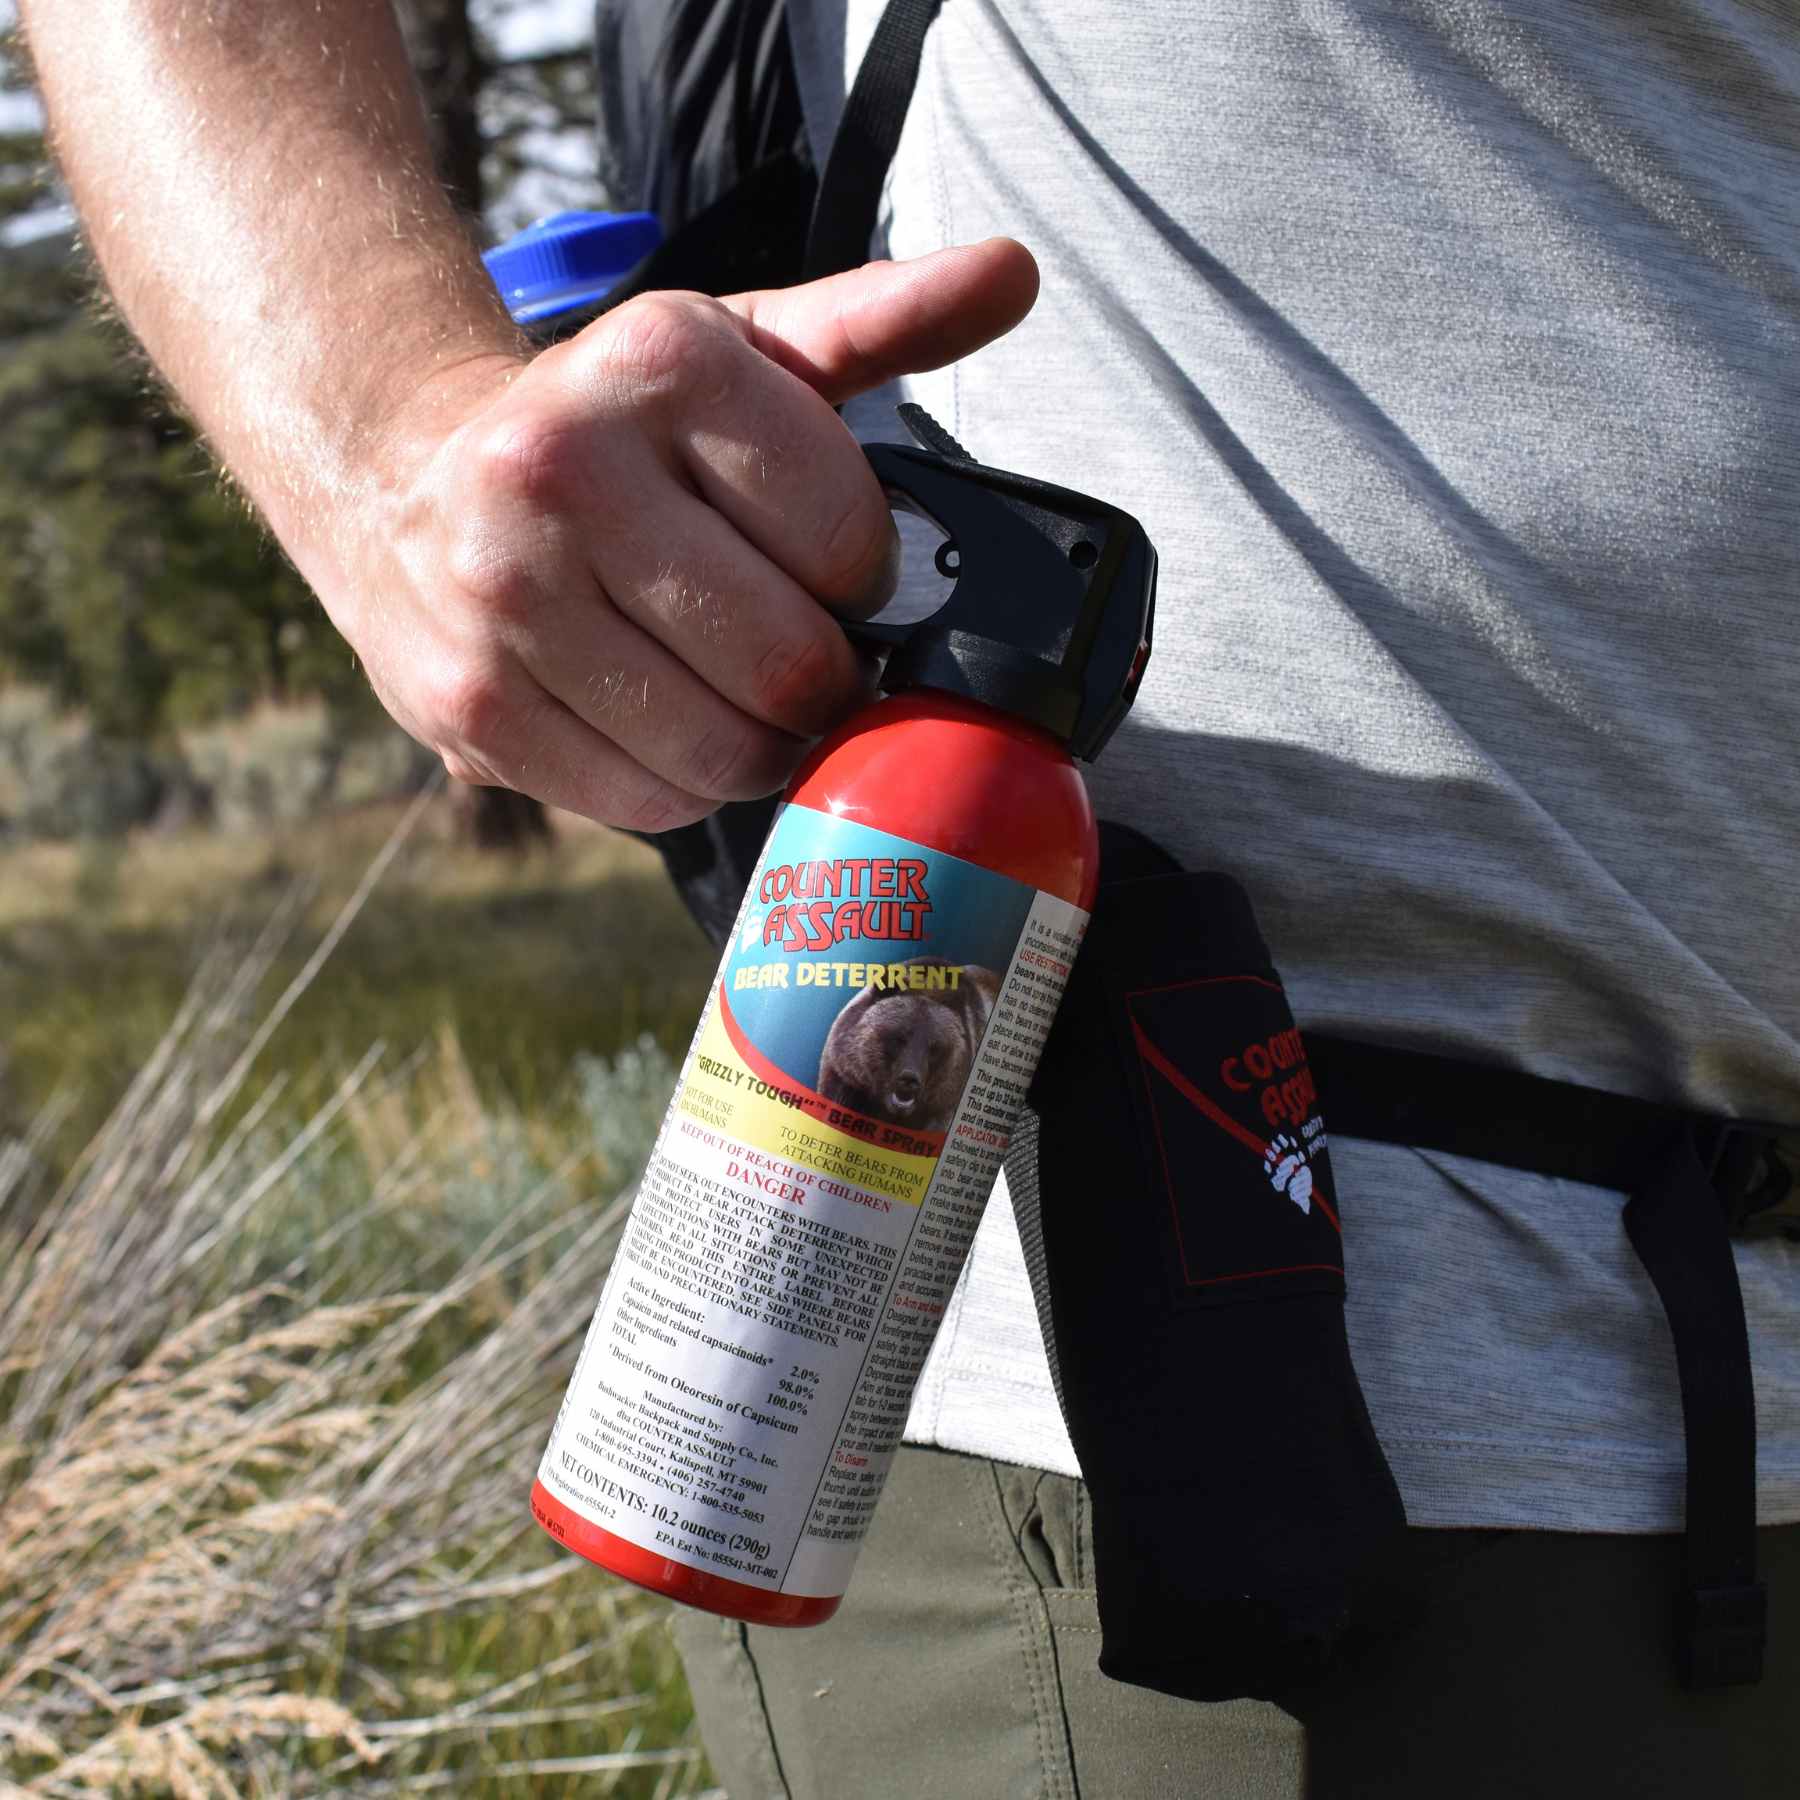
(255, 180)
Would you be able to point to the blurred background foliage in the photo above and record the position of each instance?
(134, 589)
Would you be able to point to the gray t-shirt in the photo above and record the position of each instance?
(1448, 352)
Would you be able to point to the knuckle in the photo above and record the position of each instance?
(536, 461)
(796, 680)
(679, 596)
(668, 344)
(468, 774)
(492, 574)
(459, 768)
(470, 706)
(692, 604)
(661, 808)
(855, 552)
(615, 698)
(719, 762)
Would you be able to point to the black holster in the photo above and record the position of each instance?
(1174, 1193)
(1184, 1234)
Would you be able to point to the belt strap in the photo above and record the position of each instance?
(1677, 1227)
(1692, 1181)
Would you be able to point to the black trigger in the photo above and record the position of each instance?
(928, 434)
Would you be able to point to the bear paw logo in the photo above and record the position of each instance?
(1284, 1162)
(753, 930)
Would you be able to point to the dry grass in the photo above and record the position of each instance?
(527, 962)
(271, 1395)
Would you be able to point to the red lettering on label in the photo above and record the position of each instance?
(882, 897)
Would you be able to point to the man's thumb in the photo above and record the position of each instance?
(854, 331)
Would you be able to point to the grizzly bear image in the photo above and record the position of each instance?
(903, 1053)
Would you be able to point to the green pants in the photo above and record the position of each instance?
(963, 1663)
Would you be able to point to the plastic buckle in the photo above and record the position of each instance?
(1720, 1635)
(1752, 1169)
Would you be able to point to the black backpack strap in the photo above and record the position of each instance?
(1692, 1182)
(692, 97)
(867, 135)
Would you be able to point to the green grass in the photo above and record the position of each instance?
(526, 963)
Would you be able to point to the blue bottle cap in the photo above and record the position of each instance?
(568, 259)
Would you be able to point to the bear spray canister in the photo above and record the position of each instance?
(858, 1068)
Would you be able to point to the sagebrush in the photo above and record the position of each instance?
(272, 1389)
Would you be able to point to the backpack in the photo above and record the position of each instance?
(700, 124)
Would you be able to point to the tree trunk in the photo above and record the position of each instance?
(452, 72)
(495, 818)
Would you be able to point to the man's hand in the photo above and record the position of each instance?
(601, 584)
(601, 575)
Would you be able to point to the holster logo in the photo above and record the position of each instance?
(1287, 1099)
(1226, 1133)
(1285, 1164)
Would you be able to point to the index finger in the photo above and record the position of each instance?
(785, 471)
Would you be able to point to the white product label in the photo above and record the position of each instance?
(809, 1204)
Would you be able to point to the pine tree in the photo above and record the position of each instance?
(132, 586)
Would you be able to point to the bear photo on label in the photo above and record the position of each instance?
(902, 1054)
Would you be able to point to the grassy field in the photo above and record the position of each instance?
(525, 963)
(285, 1313)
